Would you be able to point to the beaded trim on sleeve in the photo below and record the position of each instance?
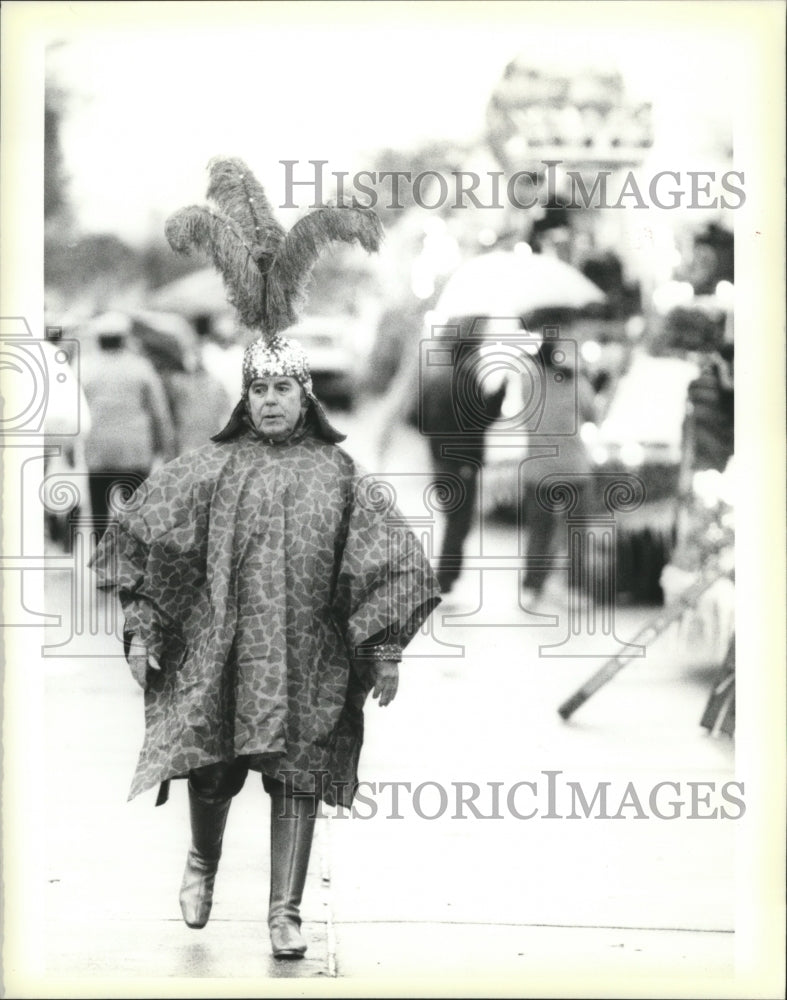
(389, 651)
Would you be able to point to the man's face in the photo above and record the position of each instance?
(276, 404)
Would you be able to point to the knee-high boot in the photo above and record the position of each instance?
(208, 819)
(292, 830)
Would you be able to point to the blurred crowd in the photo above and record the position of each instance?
(148, 390)
(615, 354)
(582, 380)
(518, 348)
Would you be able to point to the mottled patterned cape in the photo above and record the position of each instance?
(254, 573)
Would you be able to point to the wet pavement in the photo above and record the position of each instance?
(429, 890)
(448, 894)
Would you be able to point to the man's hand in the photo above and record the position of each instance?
(139, 660)
(386, 681)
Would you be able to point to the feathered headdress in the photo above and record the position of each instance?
(265, 268)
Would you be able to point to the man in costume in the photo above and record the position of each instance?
(267, 586)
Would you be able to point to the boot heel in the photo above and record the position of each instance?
(286, 938)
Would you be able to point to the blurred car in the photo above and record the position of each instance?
(334, 357)
(338, 326)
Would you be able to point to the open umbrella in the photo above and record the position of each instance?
(167, 339)
(515, 283)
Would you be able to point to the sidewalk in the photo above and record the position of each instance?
(113, 868)
(517, 903)
(529, 903)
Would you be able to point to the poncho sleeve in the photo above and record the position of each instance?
(129, 557)
(119, 563)
(385, 587)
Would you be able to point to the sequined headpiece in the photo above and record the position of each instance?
(267, 357)
(266, 269)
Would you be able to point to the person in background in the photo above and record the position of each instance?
(222, 351)
(568, 404)
(199, 402)
(455, 406)
(131, 424)
(709, 428)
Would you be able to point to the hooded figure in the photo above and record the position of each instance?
(268, 587)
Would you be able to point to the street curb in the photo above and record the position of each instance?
(327, 897)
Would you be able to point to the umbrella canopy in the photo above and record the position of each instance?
(106, 324)
(167, 339)
(198, 294)
(515, 283)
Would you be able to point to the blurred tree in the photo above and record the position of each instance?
(92, 268)
(442, 156)
(55, 181)
(57, 99)
(160, 265)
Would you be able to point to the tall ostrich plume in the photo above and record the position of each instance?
(265, 268)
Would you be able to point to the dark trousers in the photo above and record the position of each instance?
(109, 488)
(456, 483)
(546, 533)
(224, 779)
